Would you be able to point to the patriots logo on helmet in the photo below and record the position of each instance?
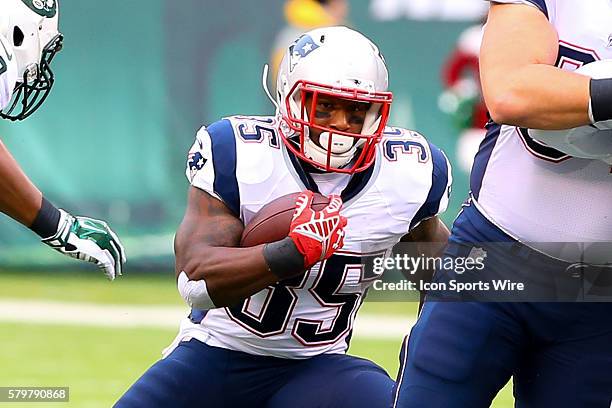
(300, 49)
(45, 8)
(195, 162)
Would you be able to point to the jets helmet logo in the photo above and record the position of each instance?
(300, 49)
(45, 8)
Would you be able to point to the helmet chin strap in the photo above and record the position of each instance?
(343, 150)
(264, 84)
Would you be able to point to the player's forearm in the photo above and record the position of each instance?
(537, 96)
(231, 274)
(19, 198)
(208, 251)
(212, 269)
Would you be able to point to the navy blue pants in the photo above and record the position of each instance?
(198, 375)
(461, 353)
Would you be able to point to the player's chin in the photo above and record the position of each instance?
(315, 136)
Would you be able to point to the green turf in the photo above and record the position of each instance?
(91, 286)
(143, 289)
(98, 364)
(393, 308)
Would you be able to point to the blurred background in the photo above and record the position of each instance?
(134, 82)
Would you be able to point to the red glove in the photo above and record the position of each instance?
(317, 234)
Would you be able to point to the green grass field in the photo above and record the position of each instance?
(99, 363)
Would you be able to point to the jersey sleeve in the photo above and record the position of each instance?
(8, 72)
(439, 192)
(540, 4)
(211, 163)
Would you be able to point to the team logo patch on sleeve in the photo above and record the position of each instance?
(45, 8)
(195, 162)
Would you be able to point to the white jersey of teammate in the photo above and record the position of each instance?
(537, 194)
(243, 162)
(8, 72)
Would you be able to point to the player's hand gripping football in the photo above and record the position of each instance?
(89, 240)
(317, 234)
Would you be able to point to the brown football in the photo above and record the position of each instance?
(272, 221)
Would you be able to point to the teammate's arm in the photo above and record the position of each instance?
(520, 84)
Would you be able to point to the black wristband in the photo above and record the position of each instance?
(601, 99)
(46, 221)
(283, 258)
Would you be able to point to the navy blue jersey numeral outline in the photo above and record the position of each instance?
(326, 289)
(392, 146)
(257, 133)
(275, 311)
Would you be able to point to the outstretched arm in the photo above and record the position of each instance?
(19, 198)
(83, 238)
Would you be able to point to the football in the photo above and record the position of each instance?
(589, 141)
(272, 221)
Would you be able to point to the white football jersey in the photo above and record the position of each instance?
(242, 161)
(537, 194)
(8, 72)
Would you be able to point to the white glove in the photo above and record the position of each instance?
(89, 240)
(195, 293)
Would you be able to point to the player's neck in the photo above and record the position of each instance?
(309, 168)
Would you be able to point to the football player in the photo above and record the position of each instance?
(551, 211)
(270, 324)
(29, 40)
